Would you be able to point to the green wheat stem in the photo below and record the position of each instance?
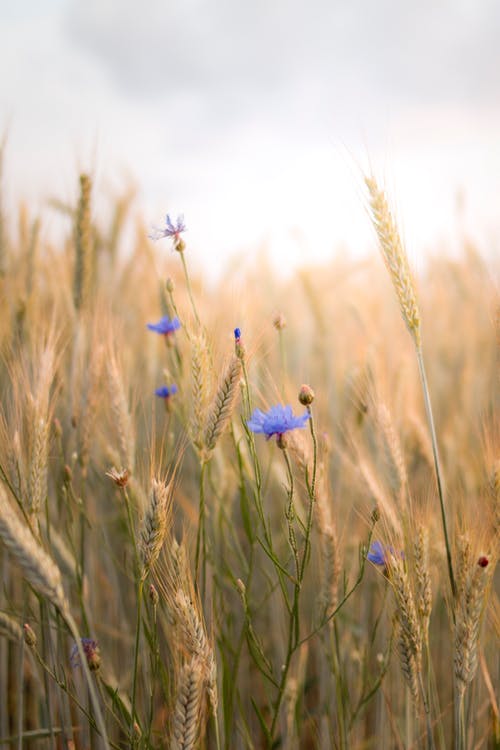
(437, 466)
(293, 629)
(140, 587)
(201, 533)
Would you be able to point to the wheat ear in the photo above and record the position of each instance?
(423, 579)
(187, 713)
(410, 638)
(10, 628)
(156, 522)
(121, 415)
(200, 369)
(223, 405)
(470, 605)
(39, 569)
(395, 258)
(42, 573)
(83, 246)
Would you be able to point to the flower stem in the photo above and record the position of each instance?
(190, 292)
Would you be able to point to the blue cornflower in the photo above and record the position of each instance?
(380, 555)
(165, 326)
(278, 420)
(165, 392)
(377, 554)
(237, 334)
(170, 229)
(91, 650)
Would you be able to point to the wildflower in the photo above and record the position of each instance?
(277, 421)
(91, 651)
(165, 392)
(165, 326)
(238, 345)
(120, 478)
(377, 554)
(380, 555)
(171, 230)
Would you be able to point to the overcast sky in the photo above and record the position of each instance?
(256, 118)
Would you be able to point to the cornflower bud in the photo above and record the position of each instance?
(306, 395)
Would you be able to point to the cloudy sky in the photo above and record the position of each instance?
(256, 119)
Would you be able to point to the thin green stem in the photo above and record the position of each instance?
(154, 670)
(140, 587)
(312, 500)
(201, 534)
(430, 418)
(293, 629)
(283, 361)
(430, 738)
(188, 285)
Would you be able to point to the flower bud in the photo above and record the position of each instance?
(306, 395)
(483, 562)
(239, 349)
(169, 284)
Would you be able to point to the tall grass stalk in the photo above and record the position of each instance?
(396, 260)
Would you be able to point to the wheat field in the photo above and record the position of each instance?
(258, 513)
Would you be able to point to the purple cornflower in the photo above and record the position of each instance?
(278, 420)
(377, 554)
(165, 392)
(170, 229)
(380, 555)
(91, 651)
(165, 326)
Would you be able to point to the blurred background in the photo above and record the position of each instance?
(257, 119)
